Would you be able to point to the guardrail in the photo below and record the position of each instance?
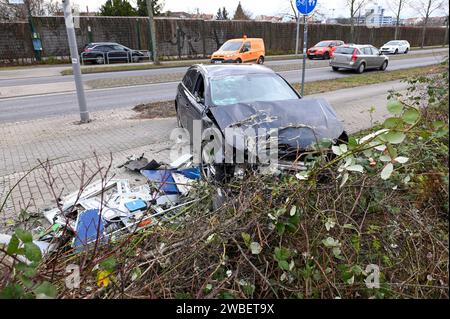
(107, 58)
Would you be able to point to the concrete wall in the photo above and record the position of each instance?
(188, 37)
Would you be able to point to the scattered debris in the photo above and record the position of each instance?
(139, 163)
(109, 208)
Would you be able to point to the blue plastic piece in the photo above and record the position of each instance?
(90, 224)
(136, 205)
(163, 180)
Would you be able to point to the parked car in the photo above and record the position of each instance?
(396, 47)
(252, 96)
(107, 52)
(324, 49)
(240, 51)
(358, 58)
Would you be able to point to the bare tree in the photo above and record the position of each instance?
(426, 8)
(14, 12)
(355, 9)
(396, 7)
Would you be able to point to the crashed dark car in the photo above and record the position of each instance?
(242, 97)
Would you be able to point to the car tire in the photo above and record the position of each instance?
(384, 66)
(407, 50)
(335, 68)
(326, 56)
(99, 59)
(260, 60)
(238, 61)
(396, 51)
(361, 68)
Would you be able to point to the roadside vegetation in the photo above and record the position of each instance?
(372, 222)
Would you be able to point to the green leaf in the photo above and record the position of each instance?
(438, 124)
(395, 107)
(45, 291)
(32, 252)
(23, 235)
(411, 116)
(27, 270)
(280, 228)
(344, 179)
(387, 171)
(401, 159)
(283, 264)
(12, 291)
(293, 210)
(108, 264)
(355, 168)
(281, 253)
(394, 137)
(13, 245)
(246, 238)
(393, 122)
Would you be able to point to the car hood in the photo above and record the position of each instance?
(318, 48)
(224, 52)
(300, 121)
(390, 46)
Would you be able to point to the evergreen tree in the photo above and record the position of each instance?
(240, 14)
(222, 14)
(117, 8)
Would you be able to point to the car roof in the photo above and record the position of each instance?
(103, 43)
(233, 69)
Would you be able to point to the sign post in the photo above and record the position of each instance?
(305, 7)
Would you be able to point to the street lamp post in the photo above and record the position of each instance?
(70, 27)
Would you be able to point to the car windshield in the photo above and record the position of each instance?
(250, 88)
(323, 44)
(393, 43)
(231, 46)
(344, 50)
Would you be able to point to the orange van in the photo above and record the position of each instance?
(240, 51)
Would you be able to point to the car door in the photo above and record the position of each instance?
(377, 58)
(184, 96)
(118, 52)
(197, 104)
(368, 57)
(247, 52)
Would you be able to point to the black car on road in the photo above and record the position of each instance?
(252, 96)
(107, 52)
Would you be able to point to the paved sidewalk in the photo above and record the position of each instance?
(69, 145)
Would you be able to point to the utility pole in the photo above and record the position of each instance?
(68, 17)
(152, 28)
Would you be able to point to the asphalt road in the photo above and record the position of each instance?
(42, 106)
(16, 81)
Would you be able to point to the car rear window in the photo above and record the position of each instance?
(344, 50)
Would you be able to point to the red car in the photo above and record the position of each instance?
(324, 49)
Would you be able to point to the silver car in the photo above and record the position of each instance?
(358, 58)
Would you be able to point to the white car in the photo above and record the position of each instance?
(396, 47)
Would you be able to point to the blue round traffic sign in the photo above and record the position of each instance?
(306, 6)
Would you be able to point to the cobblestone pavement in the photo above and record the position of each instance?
(68, 145)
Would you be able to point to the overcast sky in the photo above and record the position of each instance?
(257, 7)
